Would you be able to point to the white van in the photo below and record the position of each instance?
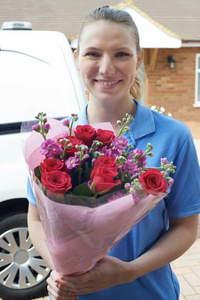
(37, 74)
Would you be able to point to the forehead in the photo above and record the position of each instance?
(111, 33)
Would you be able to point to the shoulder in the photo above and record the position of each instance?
(160, 127)
(172, 134)
(169, 125)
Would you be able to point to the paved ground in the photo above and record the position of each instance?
(187, 269)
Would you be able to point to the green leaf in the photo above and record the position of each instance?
(87, 171)
(38, 172)
(82, 190)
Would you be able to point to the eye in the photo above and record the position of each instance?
(92, 54)
(122, 54)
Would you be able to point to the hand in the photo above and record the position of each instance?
(108, 272)
(55, 290)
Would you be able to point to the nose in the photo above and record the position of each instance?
(107, 66)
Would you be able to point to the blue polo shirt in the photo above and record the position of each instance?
(172, 139)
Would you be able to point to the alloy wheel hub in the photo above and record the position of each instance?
(21, 266)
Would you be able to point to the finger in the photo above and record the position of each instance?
(55, 275)
(86, 277)
(61, 289)
(64, 282)
(60, 295)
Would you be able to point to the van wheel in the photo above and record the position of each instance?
(23, 272)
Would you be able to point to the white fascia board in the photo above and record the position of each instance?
(152, 36)
(191, 44)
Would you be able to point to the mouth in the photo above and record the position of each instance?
(107, 82)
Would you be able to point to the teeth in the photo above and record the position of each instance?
(107, 82)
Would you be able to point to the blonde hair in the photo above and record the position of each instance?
(122, 17)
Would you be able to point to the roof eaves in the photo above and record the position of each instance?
(130, 3)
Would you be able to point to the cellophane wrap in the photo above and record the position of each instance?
(78, 236)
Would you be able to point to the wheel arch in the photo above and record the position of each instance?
(13, 206)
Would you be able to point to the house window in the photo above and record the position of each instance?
(197, 82)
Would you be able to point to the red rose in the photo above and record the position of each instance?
(153, 182)
(56, 181)
(73, 141)
(104, 161)
(51, 164)
(105, 136)
(86, 133)
(103, 179)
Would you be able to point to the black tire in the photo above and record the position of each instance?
(23, 272)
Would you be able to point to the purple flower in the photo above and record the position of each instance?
(131, 167)
(171, 181)
(72, 162)
(135, 154)
(36, 127)
(90, 186)
(114, 152)
(66, 122)
(86, 156)
(46, 127)
(44, 119)
(106, 151)
(120, 142)
(164, 160)
(50, 148)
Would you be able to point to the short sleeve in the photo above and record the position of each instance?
(184, 197)
(30, 195)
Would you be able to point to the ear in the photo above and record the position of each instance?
(139, 59)
(75, 56)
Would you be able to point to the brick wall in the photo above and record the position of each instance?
(174, 89)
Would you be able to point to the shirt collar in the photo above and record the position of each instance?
(82, 117)
(142, 125)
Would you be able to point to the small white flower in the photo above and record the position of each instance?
(162, 109)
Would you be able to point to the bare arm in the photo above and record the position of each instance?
(37, 234)
(180, 236)
(111, 271)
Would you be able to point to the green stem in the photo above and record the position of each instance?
(93, 198)
(79, 174)
(121, 130)
(43, 134)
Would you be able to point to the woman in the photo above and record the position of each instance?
(108, 57)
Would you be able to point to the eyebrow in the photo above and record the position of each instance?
(97, 49)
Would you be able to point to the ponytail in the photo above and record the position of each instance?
(136, 90)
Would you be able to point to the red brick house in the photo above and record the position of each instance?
(178, 90)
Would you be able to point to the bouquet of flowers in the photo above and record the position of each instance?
(91, 188)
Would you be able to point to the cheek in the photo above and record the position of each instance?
(87, 68)
(129, 69)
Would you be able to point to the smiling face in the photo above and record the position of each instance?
(108, 60)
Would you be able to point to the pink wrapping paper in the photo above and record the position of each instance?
(78, 236)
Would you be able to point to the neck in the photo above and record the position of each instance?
(110, 113)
